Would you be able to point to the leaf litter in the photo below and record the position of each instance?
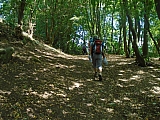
(43, 83)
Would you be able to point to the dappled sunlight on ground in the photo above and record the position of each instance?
(44, 83)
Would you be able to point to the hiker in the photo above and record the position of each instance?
(89, 49)
(97, 55)
(84, 49)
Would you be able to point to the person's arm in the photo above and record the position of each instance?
(91, 52)
(103, 53)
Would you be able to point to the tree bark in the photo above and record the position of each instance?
(21, 12)
(157, 4)
(146, 27)
(155, 43)
(139, 58)
(125, 37)
(18, 29)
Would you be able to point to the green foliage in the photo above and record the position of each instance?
(57, 22)
(6, 54)
(75, 50)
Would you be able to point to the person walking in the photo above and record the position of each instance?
(84, 49)
(96, 51)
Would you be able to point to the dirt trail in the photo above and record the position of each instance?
(42, 83)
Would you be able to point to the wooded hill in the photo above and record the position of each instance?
(127, 27)
(43, 83)
(40, 81)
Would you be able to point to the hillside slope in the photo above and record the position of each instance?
(43, 83)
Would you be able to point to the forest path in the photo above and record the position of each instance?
(45, 84)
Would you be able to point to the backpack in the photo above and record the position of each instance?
(97, 46)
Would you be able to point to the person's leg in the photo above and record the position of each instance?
(94, 60)
(99, 66)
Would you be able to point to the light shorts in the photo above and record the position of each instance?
(97, 61)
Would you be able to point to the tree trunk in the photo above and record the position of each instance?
(18, 29)
(157, 4)
(120, 40)
(145, 40)
(129, 42)
(30, 24)
(21, 12)
(139, 58)
(146, 27)
(155, 43)
(124, 37)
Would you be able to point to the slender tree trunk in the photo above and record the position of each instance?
(137, 20)
(145, 41)
(30, 30)
(146, 27)
(129, 42)
(139, 29)
(112, 34)
(18, 29)
(21, 12)
(98, 21)
(139, 58)
(155, 43)
(124, 29)
(125, 37)
(157, 4)
(120, 40)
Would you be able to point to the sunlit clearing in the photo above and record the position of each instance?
(58, 65)
(62, 95)
(49, 110)
(103, 99)
(45, 95)
(75, 85)
(50, 57)
(89, 104)
(119, 85)
(62, 54)
(4, 92)
(140, 72)
(156, 90)
(122, 63)
(142, 91)
(38, 56)
(30, 112)
(158, 79)
(88, 80)
(32, 53)
(156, 69)
(110, 110)
(112, 66)
(135, 77)
(120, 74)
(126, 98)
(153, 75)
(65, 112)
(123, 80)
(122, 71)
(117, 101)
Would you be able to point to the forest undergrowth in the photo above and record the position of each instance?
(46, 84)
